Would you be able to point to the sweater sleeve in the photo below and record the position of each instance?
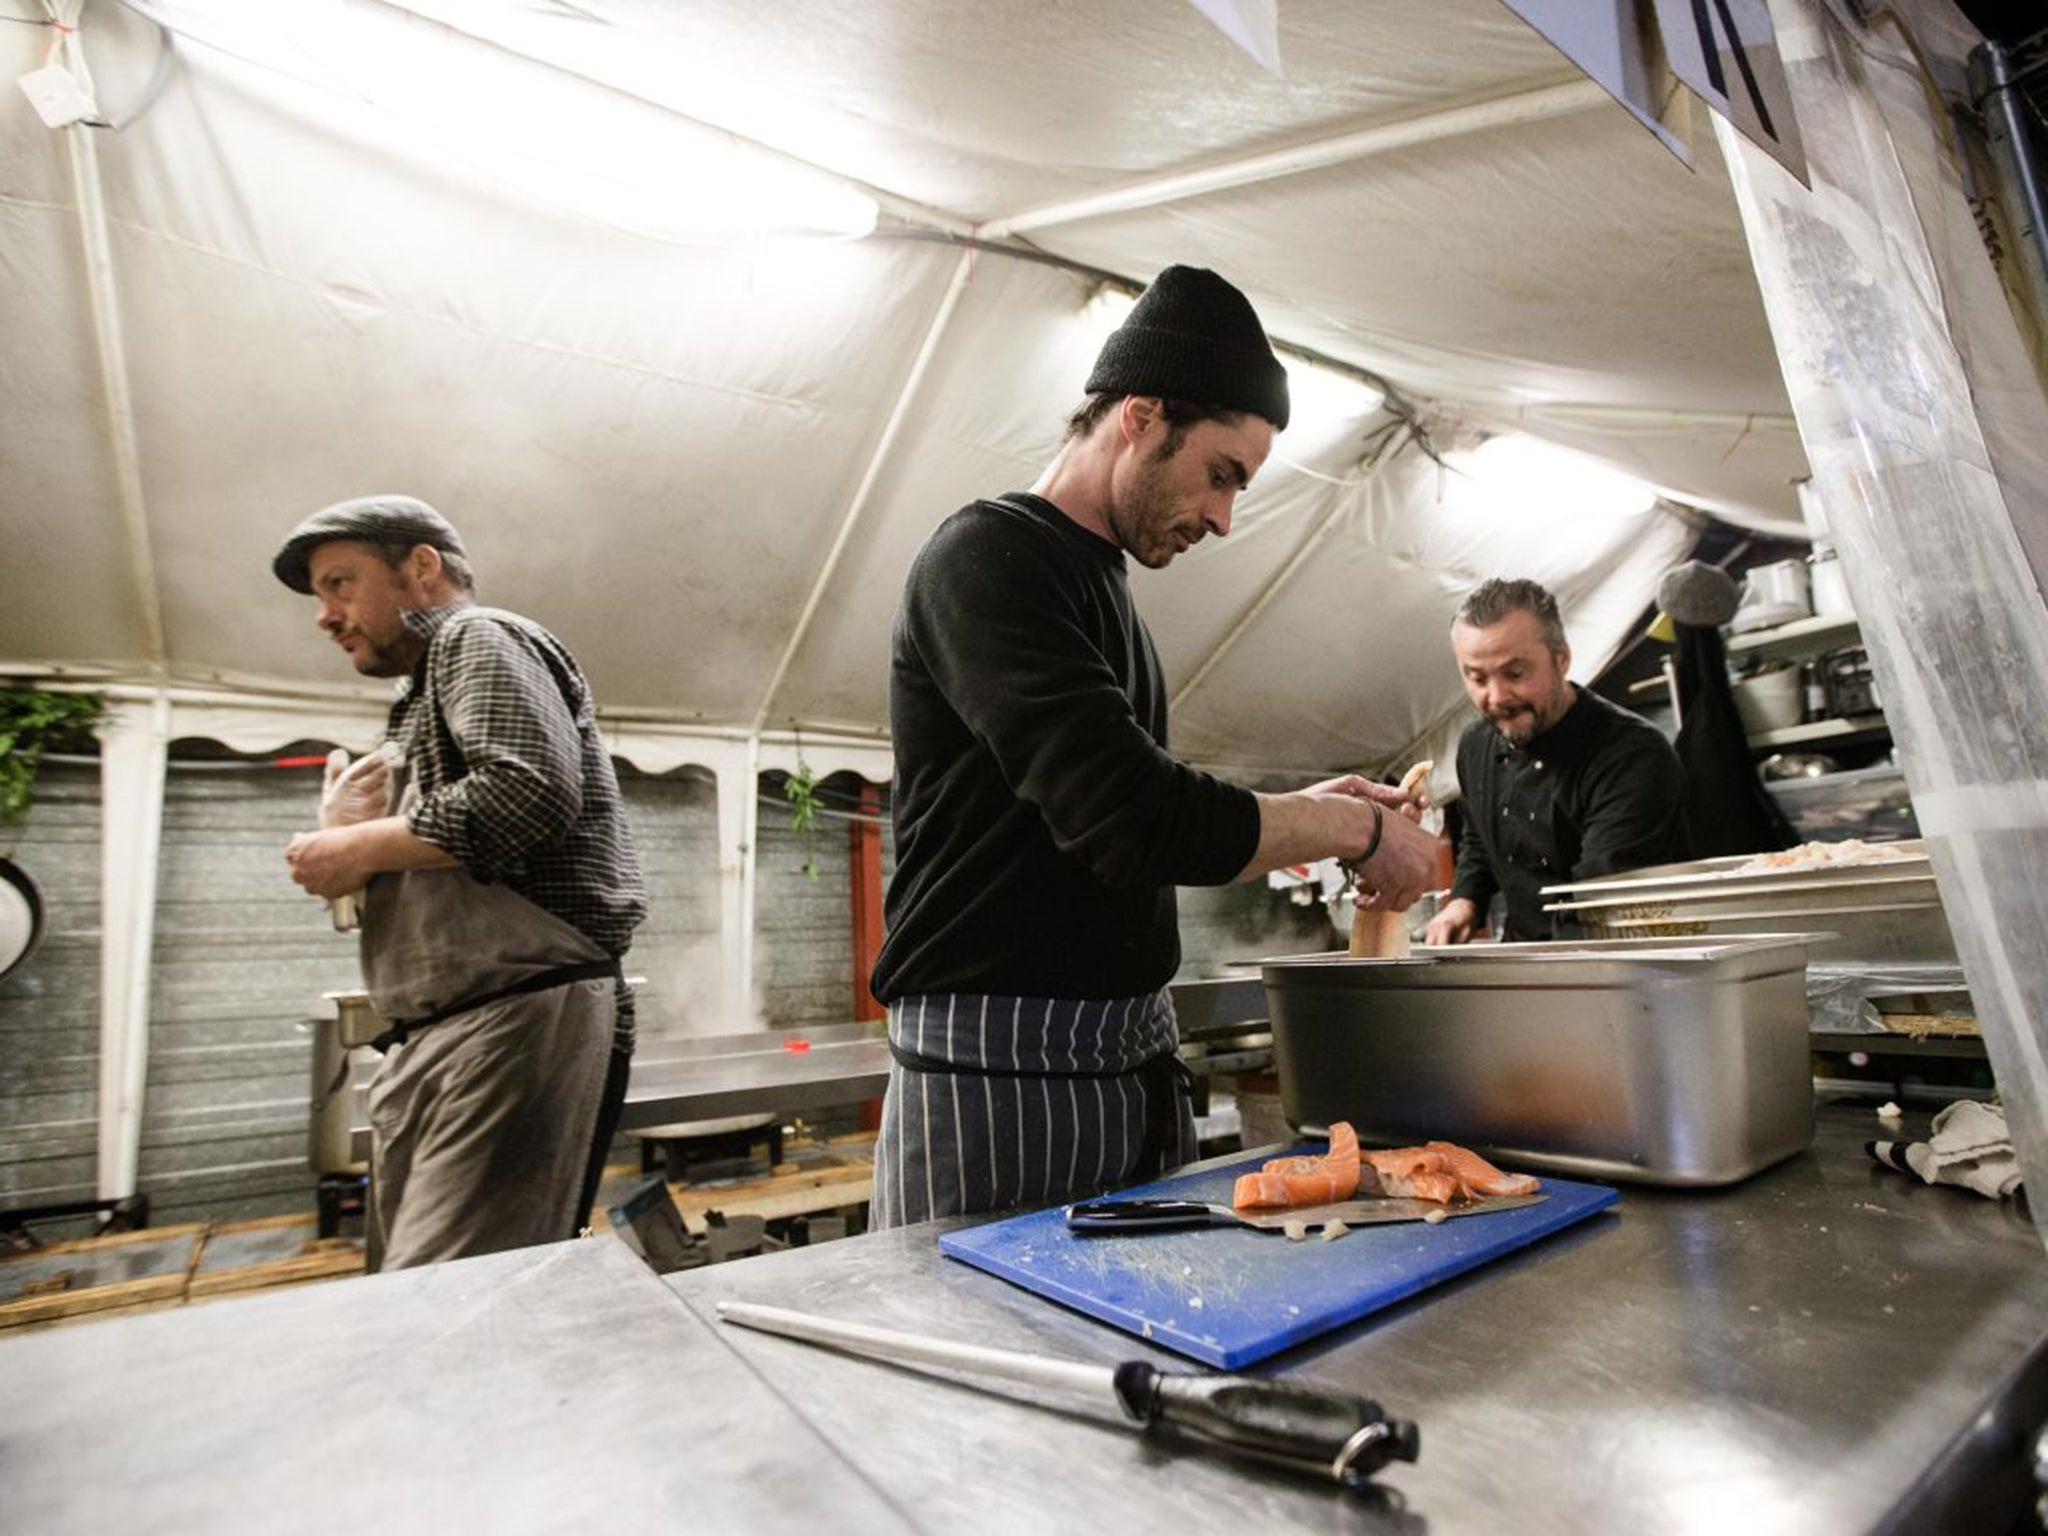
(524, 785)
(1000, 619)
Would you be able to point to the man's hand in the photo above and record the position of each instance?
(1453, 922)
(331, 862)
(1361, 788)
(1400, 870)
(354, 792)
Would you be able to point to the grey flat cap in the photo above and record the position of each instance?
(1698, 594)
(376, 519)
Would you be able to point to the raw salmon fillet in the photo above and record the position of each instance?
(1444, 1172)
(1289, 1181)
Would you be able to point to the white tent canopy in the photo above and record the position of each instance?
(342, 254)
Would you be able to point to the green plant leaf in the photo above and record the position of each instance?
(32, 722)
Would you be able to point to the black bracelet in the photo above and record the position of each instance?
(1379, 825)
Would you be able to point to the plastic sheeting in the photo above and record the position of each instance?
(653, 447)
(1925, 433)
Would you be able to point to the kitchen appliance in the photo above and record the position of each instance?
(1851, 684)
(1229, 1297)
(1652, 1061)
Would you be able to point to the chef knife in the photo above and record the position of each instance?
(1329, 1434)
(1106, 1216)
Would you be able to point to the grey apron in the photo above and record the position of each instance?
(482, 1113)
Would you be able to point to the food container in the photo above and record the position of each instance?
(1646, 1061)
(1770, 701)
(1773, 594)
(1830, 587)
(1868, 803)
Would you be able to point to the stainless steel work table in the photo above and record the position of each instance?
(1791, 1355)
(721, 1075)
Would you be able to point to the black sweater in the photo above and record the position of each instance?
(1599, 792)
(1040, 823)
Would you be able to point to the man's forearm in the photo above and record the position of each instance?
(388, 845)
(1302, 828)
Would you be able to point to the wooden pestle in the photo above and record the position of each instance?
(1384, 935)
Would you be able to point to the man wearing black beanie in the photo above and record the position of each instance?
(1041, 825)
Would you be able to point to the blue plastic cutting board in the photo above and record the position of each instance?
(1228, 1296)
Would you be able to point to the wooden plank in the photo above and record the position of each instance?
(93, 1274)
(1921, 1025)
(843, 1181)
(277, 1250)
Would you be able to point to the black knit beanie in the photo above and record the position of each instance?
(1193, 337)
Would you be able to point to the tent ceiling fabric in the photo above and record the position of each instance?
(652, 447)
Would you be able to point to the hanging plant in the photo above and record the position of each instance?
(32, 722)
(800, 789)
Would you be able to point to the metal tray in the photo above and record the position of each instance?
(1640, 1060)
(1861, 914)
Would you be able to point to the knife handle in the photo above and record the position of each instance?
(1096, 1216)
(1342, 1437)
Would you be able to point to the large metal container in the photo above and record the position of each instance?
(1640, 1060)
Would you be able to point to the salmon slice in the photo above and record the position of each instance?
(1286, 1181)
(1444, 1172)
(1478, 1175)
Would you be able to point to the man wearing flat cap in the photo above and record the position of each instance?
(496, 898)
(1041, 823)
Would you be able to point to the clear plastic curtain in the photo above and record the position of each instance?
(1897, 352)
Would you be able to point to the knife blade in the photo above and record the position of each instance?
(1098, 1217)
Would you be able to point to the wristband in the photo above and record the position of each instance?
(1379, 825)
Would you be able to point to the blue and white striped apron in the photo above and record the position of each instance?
(1011, 1103)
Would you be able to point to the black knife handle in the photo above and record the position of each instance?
(1098, 1216)
(1337, 1436)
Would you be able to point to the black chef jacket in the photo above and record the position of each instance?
(1599, 792)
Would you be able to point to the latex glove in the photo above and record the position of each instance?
(355, 792)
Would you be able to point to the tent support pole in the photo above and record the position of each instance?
(736, 765)
(1280, 578)
(134, 748)
(1528, 105)
(106, 324)
(905, 397)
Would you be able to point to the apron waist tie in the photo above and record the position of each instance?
(1165, 1078)
(402, 1030)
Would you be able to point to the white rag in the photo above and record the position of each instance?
(1968, 1146)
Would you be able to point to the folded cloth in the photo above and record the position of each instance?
(1968, 1146)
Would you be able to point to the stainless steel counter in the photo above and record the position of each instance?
(721, 1075)
(1790, 1355)
(1816, 1350)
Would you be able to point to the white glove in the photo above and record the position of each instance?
(355, 792)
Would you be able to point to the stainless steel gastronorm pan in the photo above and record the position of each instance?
(1648, 1060)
